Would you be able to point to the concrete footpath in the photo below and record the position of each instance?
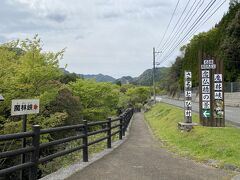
(141, 157)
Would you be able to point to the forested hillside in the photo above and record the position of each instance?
(222, 41)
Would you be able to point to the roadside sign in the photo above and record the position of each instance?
(211, 92)
(188, 97)
(206, 113)
(24, 106)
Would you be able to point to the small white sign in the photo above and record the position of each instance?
(205, 74)
(188, 74)
(206, 97)
(188, 104)
(188, 94)
(218, 95)
(188, 113)
(218, 86)
(205, 89)
(208, 61)
(208, 66)
(205, 81)
(206, 105)
(218, 77)
(24, 106)
(188, 84)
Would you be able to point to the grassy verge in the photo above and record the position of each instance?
(202, 143)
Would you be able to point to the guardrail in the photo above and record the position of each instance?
(36, 146)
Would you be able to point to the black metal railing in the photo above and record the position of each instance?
(36, 146)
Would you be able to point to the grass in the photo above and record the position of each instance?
(202, 143)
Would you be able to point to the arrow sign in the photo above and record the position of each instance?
(206, 113)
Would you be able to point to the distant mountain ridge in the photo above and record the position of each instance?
(99, 77)
(144, 79)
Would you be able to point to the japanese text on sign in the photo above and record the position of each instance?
(24, 106)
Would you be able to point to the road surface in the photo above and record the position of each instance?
(232, 114)
(141, 157)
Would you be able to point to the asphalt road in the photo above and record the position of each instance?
(232, 114)
(141, 157)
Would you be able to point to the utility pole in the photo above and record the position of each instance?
(154, 86)
(154, 70)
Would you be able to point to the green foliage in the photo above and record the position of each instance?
(71, 77)
(138, 95)
(202, 143)
(99, 100)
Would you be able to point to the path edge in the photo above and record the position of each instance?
(68, 171)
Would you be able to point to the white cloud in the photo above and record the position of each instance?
(114, 37)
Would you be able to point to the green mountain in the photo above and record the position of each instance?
(145, 79)
(99, 77)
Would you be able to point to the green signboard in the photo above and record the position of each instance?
(206, 113)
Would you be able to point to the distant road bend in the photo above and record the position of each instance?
(232, 114)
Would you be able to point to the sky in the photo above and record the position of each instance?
(113, 37)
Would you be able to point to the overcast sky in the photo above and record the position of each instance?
(113, 37)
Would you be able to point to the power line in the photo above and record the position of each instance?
(169, 24)
(184, 23)
(202, 14)
(179, 20)
(195, 30)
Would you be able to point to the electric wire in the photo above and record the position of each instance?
(196, 29)
(185, 23)
(201, 15)
(169, 24)
(179, 20)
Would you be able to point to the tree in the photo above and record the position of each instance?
(98, 100)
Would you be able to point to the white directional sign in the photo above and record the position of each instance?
(188, 104)
(188, 113)
(206, 105)
(188, 75)
(206, 89)
(208, 66)
(208, 61)
(205, 74)
(206, 97)
(188, 94)
(24, 106)
(218, 86)
(188, 84)
(218, 95)
(218, 77)
(205, 81)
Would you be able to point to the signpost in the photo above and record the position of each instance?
(187, 124)
(188, 97)
(211, 96)
(24, 107)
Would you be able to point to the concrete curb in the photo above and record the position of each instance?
(66, 172)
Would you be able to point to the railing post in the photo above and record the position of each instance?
(124, 123)
(121, 127)
(85, 141)
(109, 139)
(35, 155)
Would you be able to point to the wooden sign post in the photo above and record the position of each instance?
(187, 125)
(211, 93)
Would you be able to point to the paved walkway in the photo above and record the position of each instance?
(142, 158)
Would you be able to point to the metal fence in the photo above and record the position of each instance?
(232, 87)
(35, 147)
